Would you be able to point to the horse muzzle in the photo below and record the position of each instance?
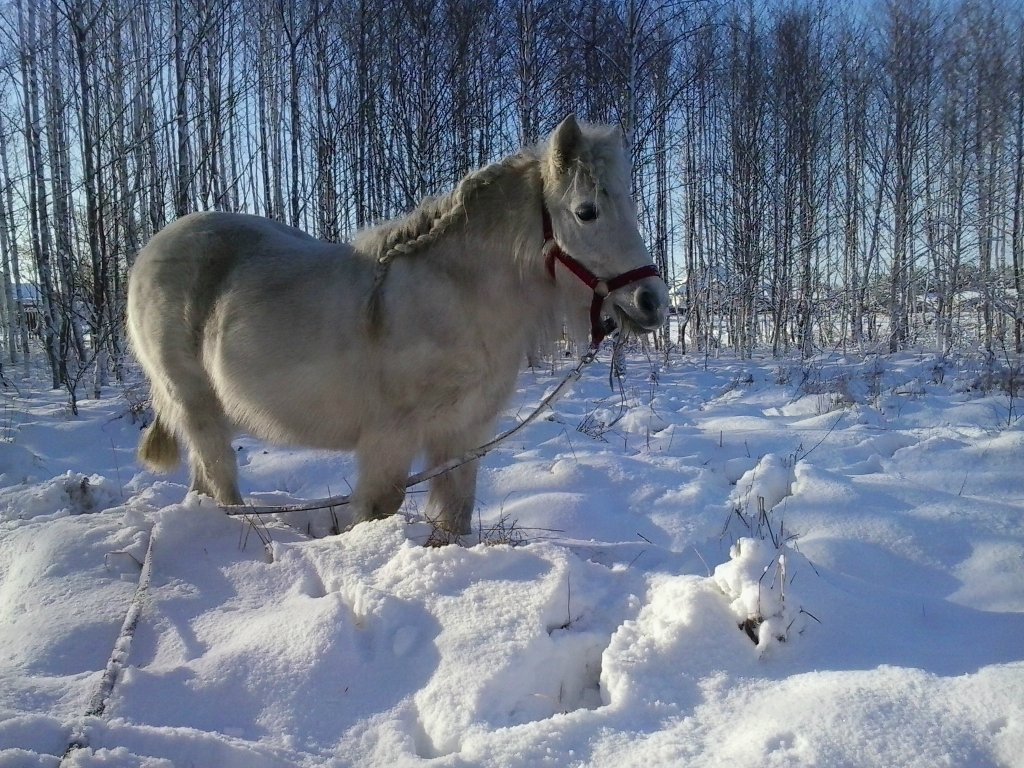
(642, 306)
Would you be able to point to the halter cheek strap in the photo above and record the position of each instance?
(601, 288)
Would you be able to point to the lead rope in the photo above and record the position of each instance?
(421, 477)
(118, 655)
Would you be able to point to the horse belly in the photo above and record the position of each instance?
(449, 392)
(290, 376)
(294, 409)
(281, 380)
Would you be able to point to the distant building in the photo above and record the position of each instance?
(31, 306)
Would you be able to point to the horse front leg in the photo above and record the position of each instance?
(384, 462)
(451, 500)
(453, 494)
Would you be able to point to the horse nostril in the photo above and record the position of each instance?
(647, 300)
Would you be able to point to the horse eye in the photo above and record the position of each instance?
(586, 212)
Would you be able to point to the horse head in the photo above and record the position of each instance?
(591, 224)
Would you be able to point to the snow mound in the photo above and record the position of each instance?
(771, 479)
(736, 468)
(17, 464)
(72, 493)
(652, 665)
(757, 579)
(642, 420)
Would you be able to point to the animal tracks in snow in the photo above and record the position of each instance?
(495, 637)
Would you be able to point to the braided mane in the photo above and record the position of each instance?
(435, 215)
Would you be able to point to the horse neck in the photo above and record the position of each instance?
(491, 248)
(503, 233)
(503, 219)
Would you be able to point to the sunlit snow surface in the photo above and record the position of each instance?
(761, 563)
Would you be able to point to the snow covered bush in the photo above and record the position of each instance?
(758, 491)
(757, 579)
(762, 564)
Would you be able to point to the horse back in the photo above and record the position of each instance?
(186, 267)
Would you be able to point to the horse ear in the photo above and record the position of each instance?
(565, 142)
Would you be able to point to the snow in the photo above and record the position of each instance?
(725, 562)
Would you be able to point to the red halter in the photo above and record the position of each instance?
(601, 288)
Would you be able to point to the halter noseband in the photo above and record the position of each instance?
(601, 288)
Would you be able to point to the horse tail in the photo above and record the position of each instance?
(159, 448)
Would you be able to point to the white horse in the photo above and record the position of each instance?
(405, 342)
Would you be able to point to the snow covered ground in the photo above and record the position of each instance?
(759, 563)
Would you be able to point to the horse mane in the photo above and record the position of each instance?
(431, 219)
(434, 216)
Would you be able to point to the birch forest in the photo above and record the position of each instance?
(809, 175)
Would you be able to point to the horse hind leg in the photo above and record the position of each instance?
(451, 500)
(190, 407)
(212, 460)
